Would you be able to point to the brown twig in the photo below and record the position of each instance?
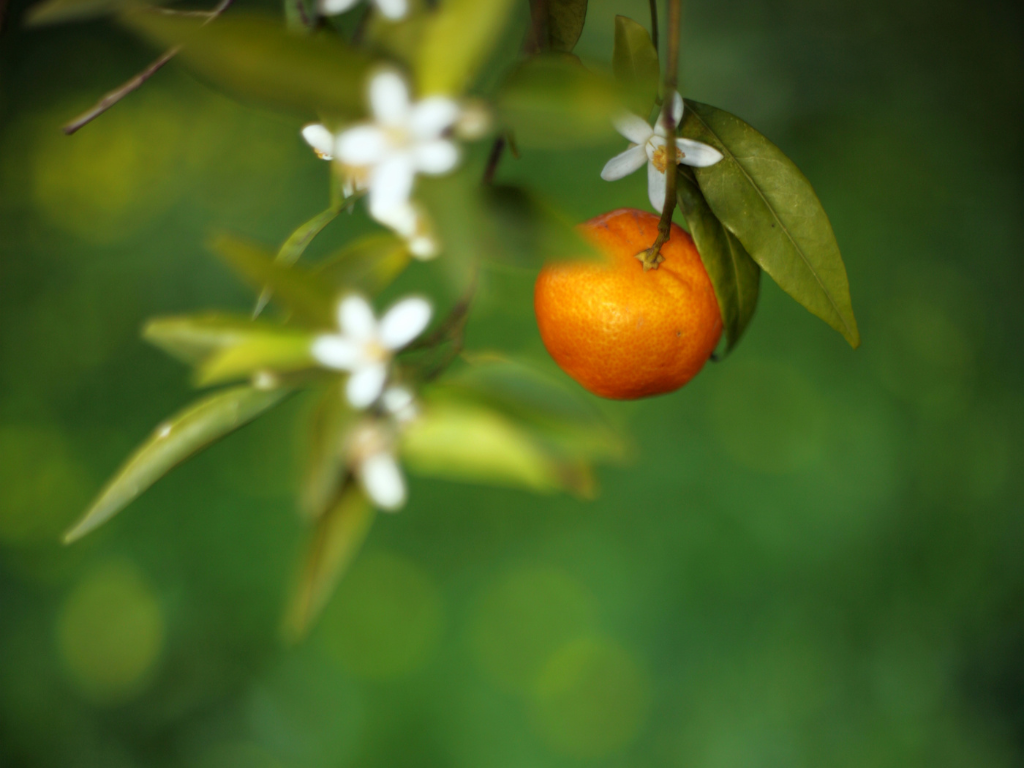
(652, 257)
(654, 24)
(537, 36)
(114, 96)
(492, 161)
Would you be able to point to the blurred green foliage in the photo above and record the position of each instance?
(815, 558)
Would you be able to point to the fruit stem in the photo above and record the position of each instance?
(652, 257)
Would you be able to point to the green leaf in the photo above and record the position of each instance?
(281, 350)
(735, 276)
(635, 64)
(368, 265)
(455, 206)
(184, 434)
(763, 198)
(297, 290)
(325, 462)
(337, 538)
(193, 339)
(59, 11)
(293, 248)
(459, 441)
(565, 23)
(254, 56)
(455, 43)
(550, 101)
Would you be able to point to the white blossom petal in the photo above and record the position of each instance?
(365, 385)
(334, 7)
(338, 352)
(356, 320)
(401, 218)
(393, 9)
(391, 184)
(431, 116)
(362, 145)
(697, 154)
(656, 187)
(624, 163)
(320, 139)
(438, 156)
(677, 108)
(404, 322)
(653, 145)
(632, 127)
(397, 398)
(382, 480)
(389, 98)
(424, 246)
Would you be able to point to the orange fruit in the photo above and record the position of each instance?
(623, 332)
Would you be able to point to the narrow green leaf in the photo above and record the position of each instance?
(565, 23)
(184, 434)
(456, 42)
(59, 11)
(763, 198)
(474, 444)
(368, 265)
(735, 276)
(297, 290)
(635, 64)
(337, 538)
(193, 339)
(549, 101)
(455, 206)
(282, 350)
(325, 461)
(254, 56)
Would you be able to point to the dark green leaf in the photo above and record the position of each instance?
(335, 541)
(59, 11)
(294, 287)
(178, 438)
(368, 265)
(565, 23)
(456, 42)
(255, 57)
(763, 198)
(325, 462)
(551, 102)
(455, 206)
(734, 275)
(635, 64)
(281, 350)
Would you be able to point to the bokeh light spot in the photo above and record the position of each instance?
(591, 698)
(110, 632)
(387, 618)
(768, 417)
(523, 619)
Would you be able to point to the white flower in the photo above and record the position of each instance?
(399, 402)
(649, 147)
(372, 458)
(365, 347)
(404, 139)
(323, 142)
(414, 226)
(392, 9)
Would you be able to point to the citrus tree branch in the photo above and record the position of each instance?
(114, 96)
(654, 24)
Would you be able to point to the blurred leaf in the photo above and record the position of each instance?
(298, 291)
(734, 275)
(280, 350)
(254, 56)
(325, 462)
(368, 265)
(524, 230)
(763, 198)
(335, 541)
(635, 64)
(399, 41)
(456, 41)
(459, 441)
(192, 339)
(565, 23)
(59, 11)
(455, 206)
(551, 102)
(293, 248)
(184, 434)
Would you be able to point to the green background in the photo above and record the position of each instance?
(814, 558)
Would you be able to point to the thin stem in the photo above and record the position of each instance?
(654, 24)
(136, 82)
(536, 42)
(492, 160)
(652, 257)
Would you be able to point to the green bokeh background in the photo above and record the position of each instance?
(815, 558)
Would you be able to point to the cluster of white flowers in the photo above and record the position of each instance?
(648, 146)
(384, 155)
(364, 348)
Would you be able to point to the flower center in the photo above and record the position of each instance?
(660, 159)
(376, 352)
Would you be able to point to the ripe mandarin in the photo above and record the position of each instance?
(621, 332)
